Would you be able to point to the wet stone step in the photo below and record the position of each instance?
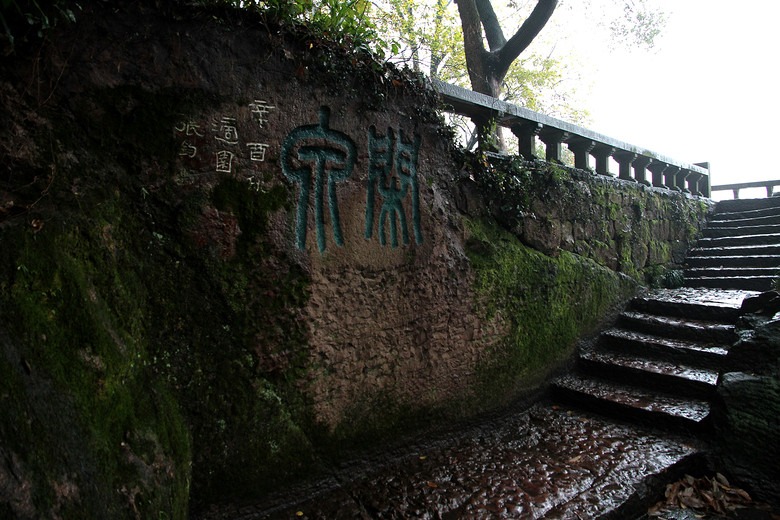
(742, 220)
(680, 328)
(712, 304)
(735, 205)
(772, 261)
(709, 297)
(715, 232)
(633, 403)
(748, 283)
(695, 353)
(650, 373)
(746, 214)
(746, 240)
(719, 271)
(770, 250)
(745, 222)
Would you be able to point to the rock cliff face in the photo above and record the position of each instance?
(749, 398)
(230, 250)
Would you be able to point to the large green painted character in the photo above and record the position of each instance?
(323, 151)
(386, 153)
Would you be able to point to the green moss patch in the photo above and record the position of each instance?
(547, 302)
(80, 384)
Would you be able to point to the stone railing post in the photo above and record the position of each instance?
(681, 178)
(552, 139)
(693, 182)
(602, 153)
(624, 159)
(641, 164)
(657, 168)
(581, 149)
(703, 186)
(670, 177)
(526, 137)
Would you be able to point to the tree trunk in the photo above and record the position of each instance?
(487, 69)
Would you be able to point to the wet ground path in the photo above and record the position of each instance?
(544, 462)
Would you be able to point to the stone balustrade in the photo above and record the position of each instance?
(769, 185)
(634, 163)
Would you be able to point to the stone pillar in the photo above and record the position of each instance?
(681, 178)
(581, 148)
(703, 186)
(640, 169)
(693, 182)
(526, 133)
(658, 173)
(553, 138)
(602, 153)
(625, 159)
(670, 177)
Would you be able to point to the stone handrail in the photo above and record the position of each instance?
(527, 125)
(769, 185)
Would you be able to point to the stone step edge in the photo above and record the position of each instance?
(761, 260)
(675, 327)
(755, 283)
(711, 349)
(651, 369)
(673, 321)
(636, 399)
(746, 250)
(764, 239)
(731, 271)
(730, 232)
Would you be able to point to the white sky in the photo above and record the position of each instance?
(708, 92)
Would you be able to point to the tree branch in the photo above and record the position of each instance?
(525, 35)
(476, 54)
(493, 32)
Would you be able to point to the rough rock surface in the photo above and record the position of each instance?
(230, 250)
(749, 420)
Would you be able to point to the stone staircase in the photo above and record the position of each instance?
(659, 364)
(740, 248)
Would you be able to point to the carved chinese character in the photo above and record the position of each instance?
(188, 128)
(257, 151)
(328, 154)
(226, 129)
(188, 149)
(260, 110)
(224, 161)
(393, 184)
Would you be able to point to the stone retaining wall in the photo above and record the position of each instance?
(623, 225)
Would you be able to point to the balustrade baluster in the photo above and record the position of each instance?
(641, 163)
(526, 133)
(581, 148)
(693, 182)
(681, 178)
(670, 177)
(552, 139)
(624, 159)
(602, 153)
(657, 168)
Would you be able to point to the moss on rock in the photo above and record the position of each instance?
(548, 302)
